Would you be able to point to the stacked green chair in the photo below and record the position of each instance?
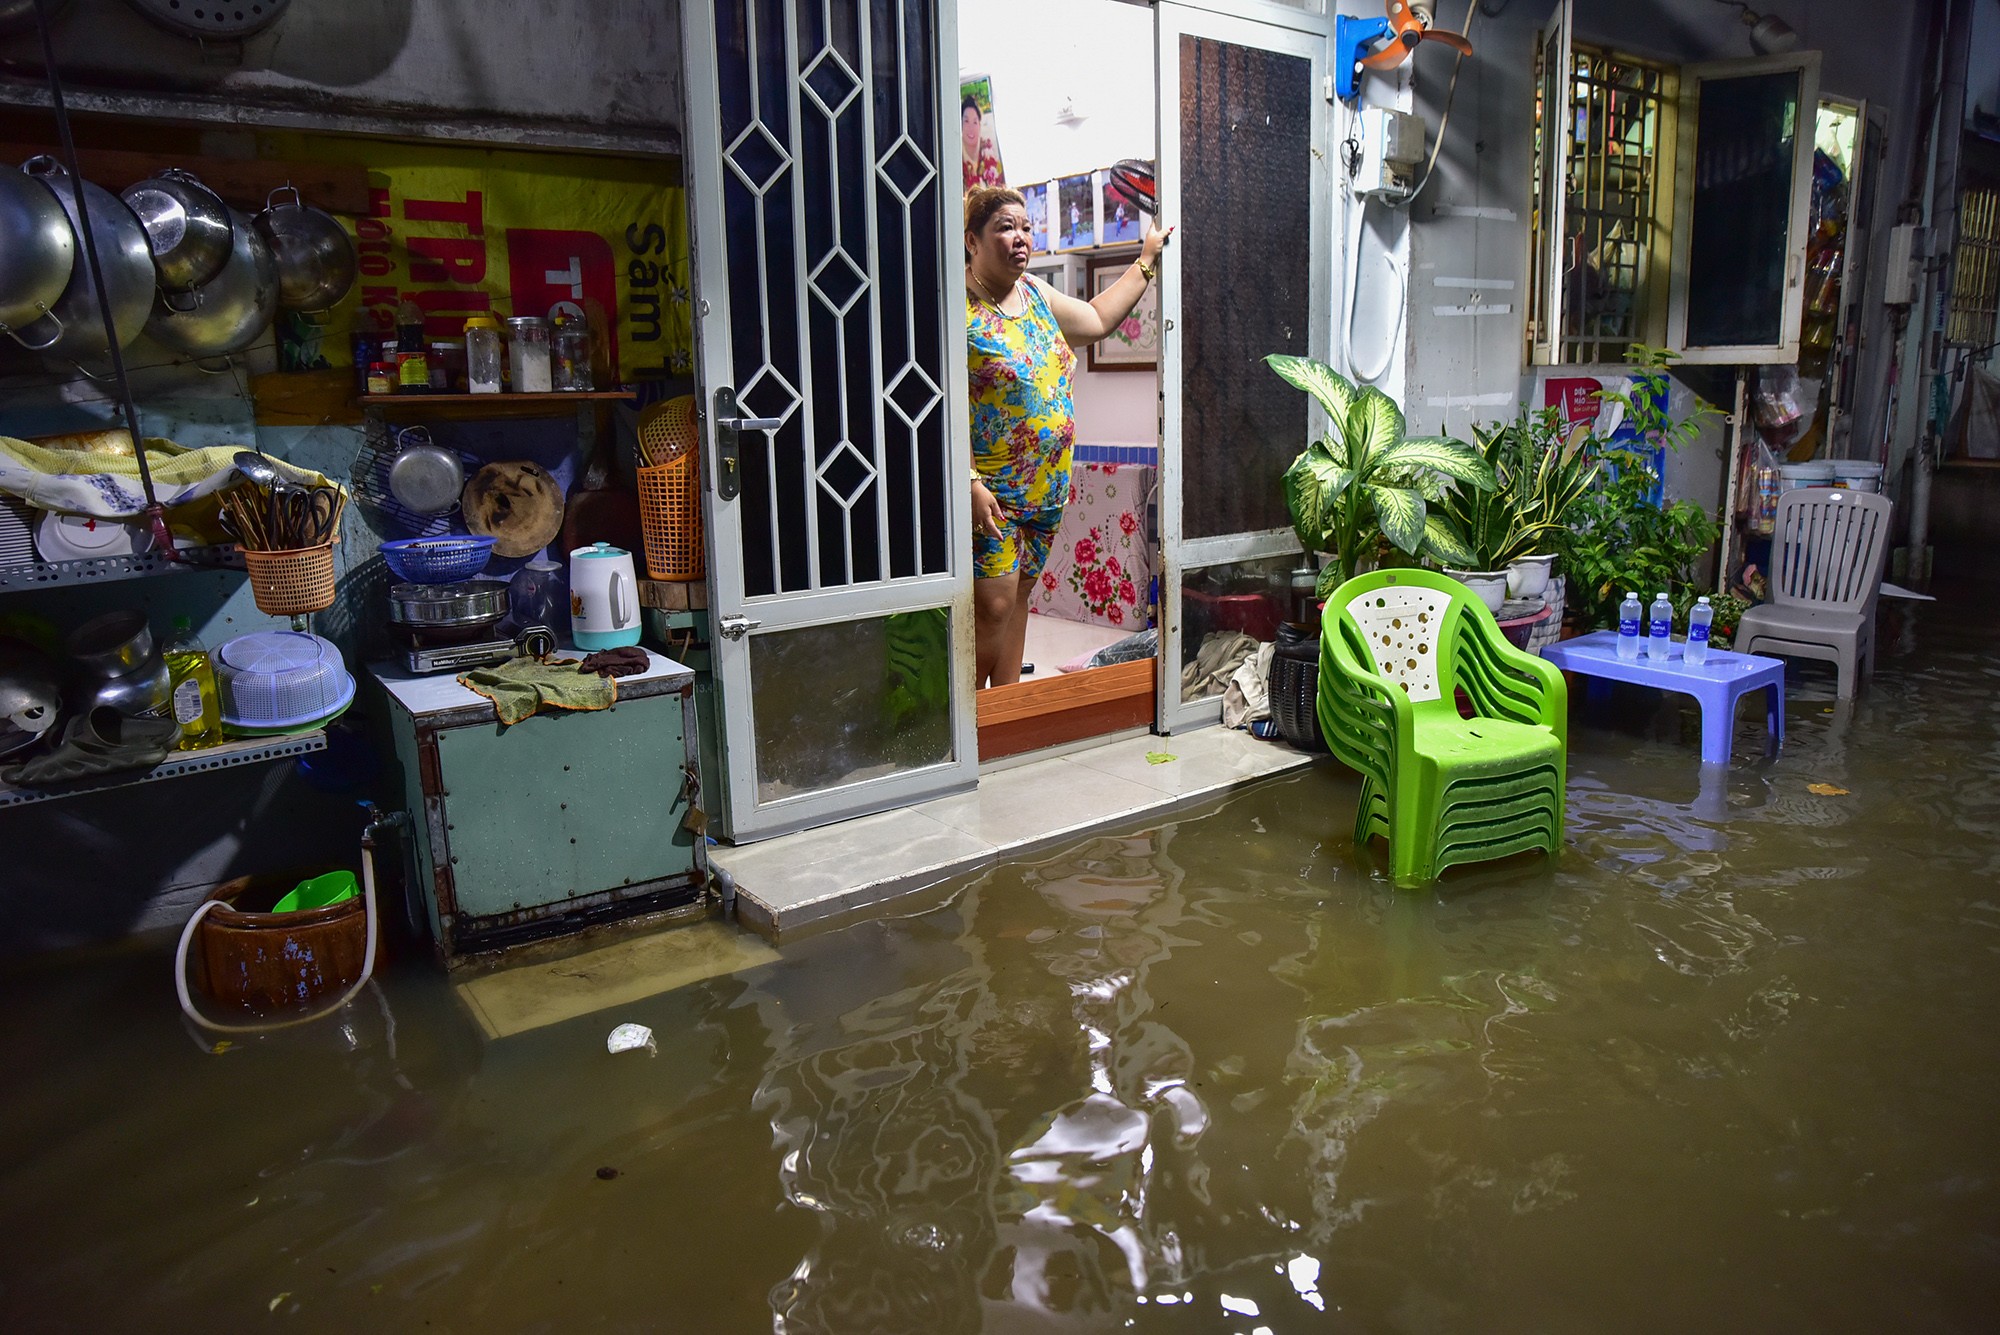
(1396, 649)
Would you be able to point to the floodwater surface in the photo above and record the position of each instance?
(1728, 1066)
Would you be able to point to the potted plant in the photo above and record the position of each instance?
(1365, 477)
(1619, 538)
(1361, 486)
(1503, 525)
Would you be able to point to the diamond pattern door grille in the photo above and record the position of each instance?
(834, 211)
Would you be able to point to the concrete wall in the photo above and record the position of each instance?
(602, 74)
(1470, 224)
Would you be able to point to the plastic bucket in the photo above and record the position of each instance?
(1793, 476)
(1857, 475)
(258, 961)
(336, 887)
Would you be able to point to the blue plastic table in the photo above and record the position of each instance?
(1717, 684)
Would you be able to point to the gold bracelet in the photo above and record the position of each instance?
(1147, 269)
(977, 477)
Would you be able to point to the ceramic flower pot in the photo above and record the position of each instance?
(1529, 576)
(1489, 585)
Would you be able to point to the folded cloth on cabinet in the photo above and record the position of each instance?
(107, 485)
(625, 662)
(521, 687)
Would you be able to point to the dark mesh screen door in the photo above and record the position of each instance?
(1244, 173)
(832, 383)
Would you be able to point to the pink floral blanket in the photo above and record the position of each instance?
(1100, 569)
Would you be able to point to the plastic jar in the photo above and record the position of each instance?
(482, 354)
(529, 353)
(570, 354)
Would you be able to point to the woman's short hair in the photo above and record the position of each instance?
(983, 201)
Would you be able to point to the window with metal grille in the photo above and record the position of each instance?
(1618, 207)
(1975, 279)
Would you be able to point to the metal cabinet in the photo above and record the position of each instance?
(552, 824)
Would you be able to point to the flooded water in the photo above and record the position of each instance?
(1729, 1066)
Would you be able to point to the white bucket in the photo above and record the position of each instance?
(1793, 476)
(1857, 475)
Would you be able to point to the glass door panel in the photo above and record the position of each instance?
(1244, 174)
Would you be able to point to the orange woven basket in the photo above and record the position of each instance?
(290, 584)
(670, 491)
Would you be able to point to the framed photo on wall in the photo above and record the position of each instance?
(1074, 201)
(1036, 198)
(1135, 344)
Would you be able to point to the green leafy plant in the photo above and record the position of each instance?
(1364, 477)
(1729, 610)
(1514, 518)
(1616, 537)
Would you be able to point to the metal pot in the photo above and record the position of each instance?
(122, 665)
(316, 262)
(37, 250)
(425, 478)
(74, 327)
(235, 307)
(187, 227)
(462, 603)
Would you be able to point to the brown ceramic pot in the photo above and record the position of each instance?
(265, 963)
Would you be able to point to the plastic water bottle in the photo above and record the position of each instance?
(1628, 627)
(1698, 623)
(1660, 627)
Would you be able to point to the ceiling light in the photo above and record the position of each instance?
(1770, 35)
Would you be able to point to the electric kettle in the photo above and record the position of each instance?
(603, 597)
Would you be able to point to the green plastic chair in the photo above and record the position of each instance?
(1396, 649)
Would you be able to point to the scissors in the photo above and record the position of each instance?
(307, 515)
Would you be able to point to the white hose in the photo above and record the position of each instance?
(367, 962)
(1358, 213)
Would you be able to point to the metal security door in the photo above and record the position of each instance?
(1245, 173)
(830, 337)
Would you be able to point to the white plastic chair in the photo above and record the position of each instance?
(1827, 552)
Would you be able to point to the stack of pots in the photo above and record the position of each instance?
(199, 277)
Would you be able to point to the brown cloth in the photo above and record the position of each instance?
(625, 662)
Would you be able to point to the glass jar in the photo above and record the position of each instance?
(447, 365)
(528, 353)
(571, 354)
(482, 354)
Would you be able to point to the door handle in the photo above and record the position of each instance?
(728, 450)
(736, 627)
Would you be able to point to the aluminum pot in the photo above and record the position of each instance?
(74, 327)
(37, 250)
(187, 227)
(461, 603)
(122, 666)
(236, 306)
(316, 262)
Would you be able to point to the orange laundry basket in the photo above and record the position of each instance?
(670, 490)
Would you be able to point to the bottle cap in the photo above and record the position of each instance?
(1661, 594)
(482, 322)
(1703, 600)
(1629, 593)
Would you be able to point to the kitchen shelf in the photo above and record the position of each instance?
(228, 755)
(486, 407)
(105, 569)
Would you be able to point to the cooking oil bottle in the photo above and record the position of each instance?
(196, 707)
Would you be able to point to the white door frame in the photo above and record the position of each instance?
(1687, 141)
(744, 815)
(1293, 32)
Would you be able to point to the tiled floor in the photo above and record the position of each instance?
(800, 879)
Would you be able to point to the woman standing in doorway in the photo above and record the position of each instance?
(1020, 335)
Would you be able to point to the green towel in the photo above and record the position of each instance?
(523, 686)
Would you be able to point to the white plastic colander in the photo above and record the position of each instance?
(277, 680)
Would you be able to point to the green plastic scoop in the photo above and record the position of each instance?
(335, 887)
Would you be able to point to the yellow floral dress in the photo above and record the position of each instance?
(1023, 428)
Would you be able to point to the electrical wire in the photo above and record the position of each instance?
(1473, 9)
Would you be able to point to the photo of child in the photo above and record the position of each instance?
(1076, 212)
(1121, 220)
(1037, 199)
